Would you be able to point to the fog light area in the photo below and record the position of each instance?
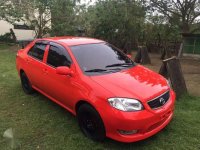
(124, 132)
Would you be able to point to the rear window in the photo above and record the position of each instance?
(37, 51)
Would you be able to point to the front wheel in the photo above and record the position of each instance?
(26, 86)
(91, 123)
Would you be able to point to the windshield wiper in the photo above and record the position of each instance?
(122, 64)
(96, 70)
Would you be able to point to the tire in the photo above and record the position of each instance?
(91, 123)
(26, 86)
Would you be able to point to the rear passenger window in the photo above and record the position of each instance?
(58, 56)
(37, 51)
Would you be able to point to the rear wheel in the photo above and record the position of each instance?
(26, 86)
(91, 123)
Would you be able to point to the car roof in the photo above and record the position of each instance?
(72, 41)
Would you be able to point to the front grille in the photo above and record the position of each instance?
(159, 101)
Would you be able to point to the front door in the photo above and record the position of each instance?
(58, 87)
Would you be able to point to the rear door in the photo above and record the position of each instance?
(35, 64)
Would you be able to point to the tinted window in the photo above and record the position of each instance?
(37, 51)
(58, 56)
(102, 56)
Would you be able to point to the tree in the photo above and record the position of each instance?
(63, 17)
(185, 11)
(119, 22)
(35, 14)
(8, 11)
(159, 31)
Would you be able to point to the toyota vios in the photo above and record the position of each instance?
(110, 94)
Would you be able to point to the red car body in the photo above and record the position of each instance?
(76, 88)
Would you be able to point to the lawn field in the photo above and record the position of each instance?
(39, 123)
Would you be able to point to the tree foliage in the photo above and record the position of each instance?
(119, 22)
(63, 17)
(8, 11)
(186, 12)
(125, 23)
(32, 13)
(159, 31)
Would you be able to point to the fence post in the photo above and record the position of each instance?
(171, 68)
(142, 56)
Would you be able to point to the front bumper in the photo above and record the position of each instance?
(147, 122)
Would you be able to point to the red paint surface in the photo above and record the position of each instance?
(138, 83)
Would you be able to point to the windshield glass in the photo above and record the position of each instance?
(100, 58)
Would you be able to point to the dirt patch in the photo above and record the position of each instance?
(190, 67)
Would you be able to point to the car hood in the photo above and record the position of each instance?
(137, 82)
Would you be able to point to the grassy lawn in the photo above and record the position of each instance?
(40, 124)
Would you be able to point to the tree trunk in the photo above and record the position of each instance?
(13, 35)
(185, 27)
(180, 52)
(142, 55)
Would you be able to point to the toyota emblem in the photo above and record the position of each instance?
(162, 101)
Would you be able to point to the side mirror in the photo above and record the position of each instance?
(129, 56)
(63, 70)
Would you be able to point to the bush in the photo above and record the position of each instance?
(7, 37)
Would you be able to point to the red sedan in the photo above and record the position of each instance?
(110, 94)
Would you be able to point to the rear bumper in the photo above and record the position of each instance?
(147, 122)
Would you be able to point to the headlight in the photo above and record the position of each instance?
(125, 104)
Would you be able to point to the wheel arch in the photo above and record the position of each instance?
(81, 102)
(21, 71)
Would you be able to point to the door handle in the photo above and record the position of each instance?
(45, 71)
(28, 61)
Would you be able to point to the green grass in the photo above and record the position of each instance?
(40, 124)
(4, 46)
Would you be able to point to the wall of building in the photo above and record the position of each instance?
(20, 34)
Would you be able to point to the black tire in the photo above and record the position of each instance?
(91, 123)
(26, 86)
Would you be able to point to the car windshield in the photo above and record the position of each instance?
(100, 58)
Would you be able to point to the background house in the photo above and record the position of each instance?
(22, 32)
